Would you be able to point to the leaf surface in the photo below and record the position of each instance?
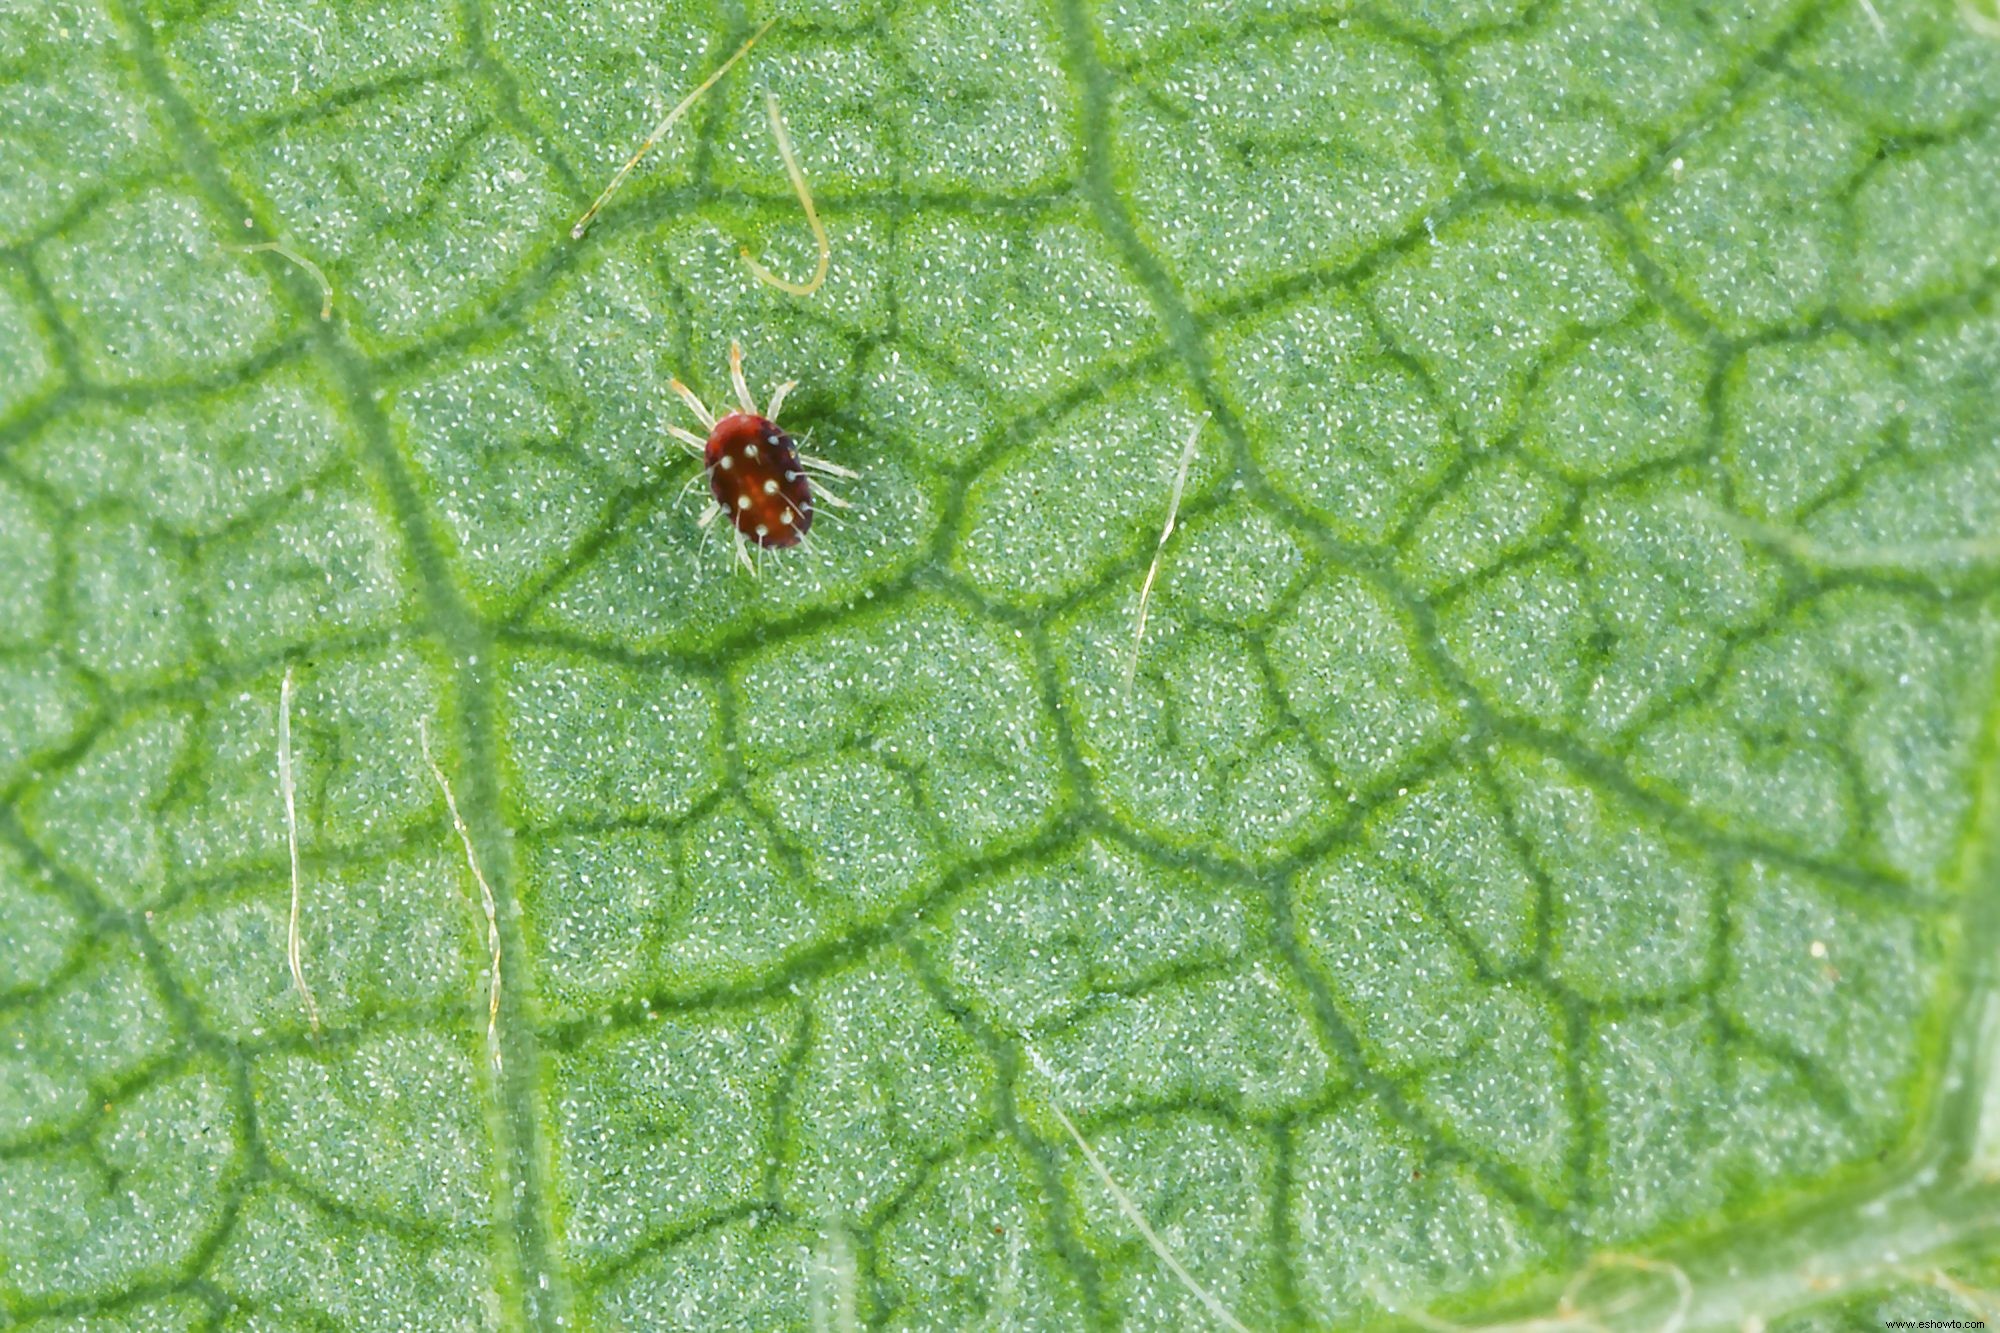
(1556, 815)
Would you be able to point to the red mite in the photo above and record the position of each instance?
(755, 472)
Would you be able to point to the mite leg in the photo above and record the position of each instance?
(743, 397)
(778, 400)
(821, 492)
(693, 443)
(695, 405)
(812, 464)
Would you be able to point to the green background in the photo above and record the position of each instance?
(1555, 817)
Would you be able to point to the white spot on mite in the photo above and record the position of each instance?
(726, 463)
(749, 451)
(785, 518)
(742, 502)
(770, 488)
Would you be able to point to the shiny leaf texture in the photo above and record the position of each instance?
(1545, 861)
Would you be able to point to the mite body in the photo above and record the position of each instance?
(757, 479)
(756, 474)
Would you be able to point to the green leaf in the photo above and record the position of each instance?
(1546, 861)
